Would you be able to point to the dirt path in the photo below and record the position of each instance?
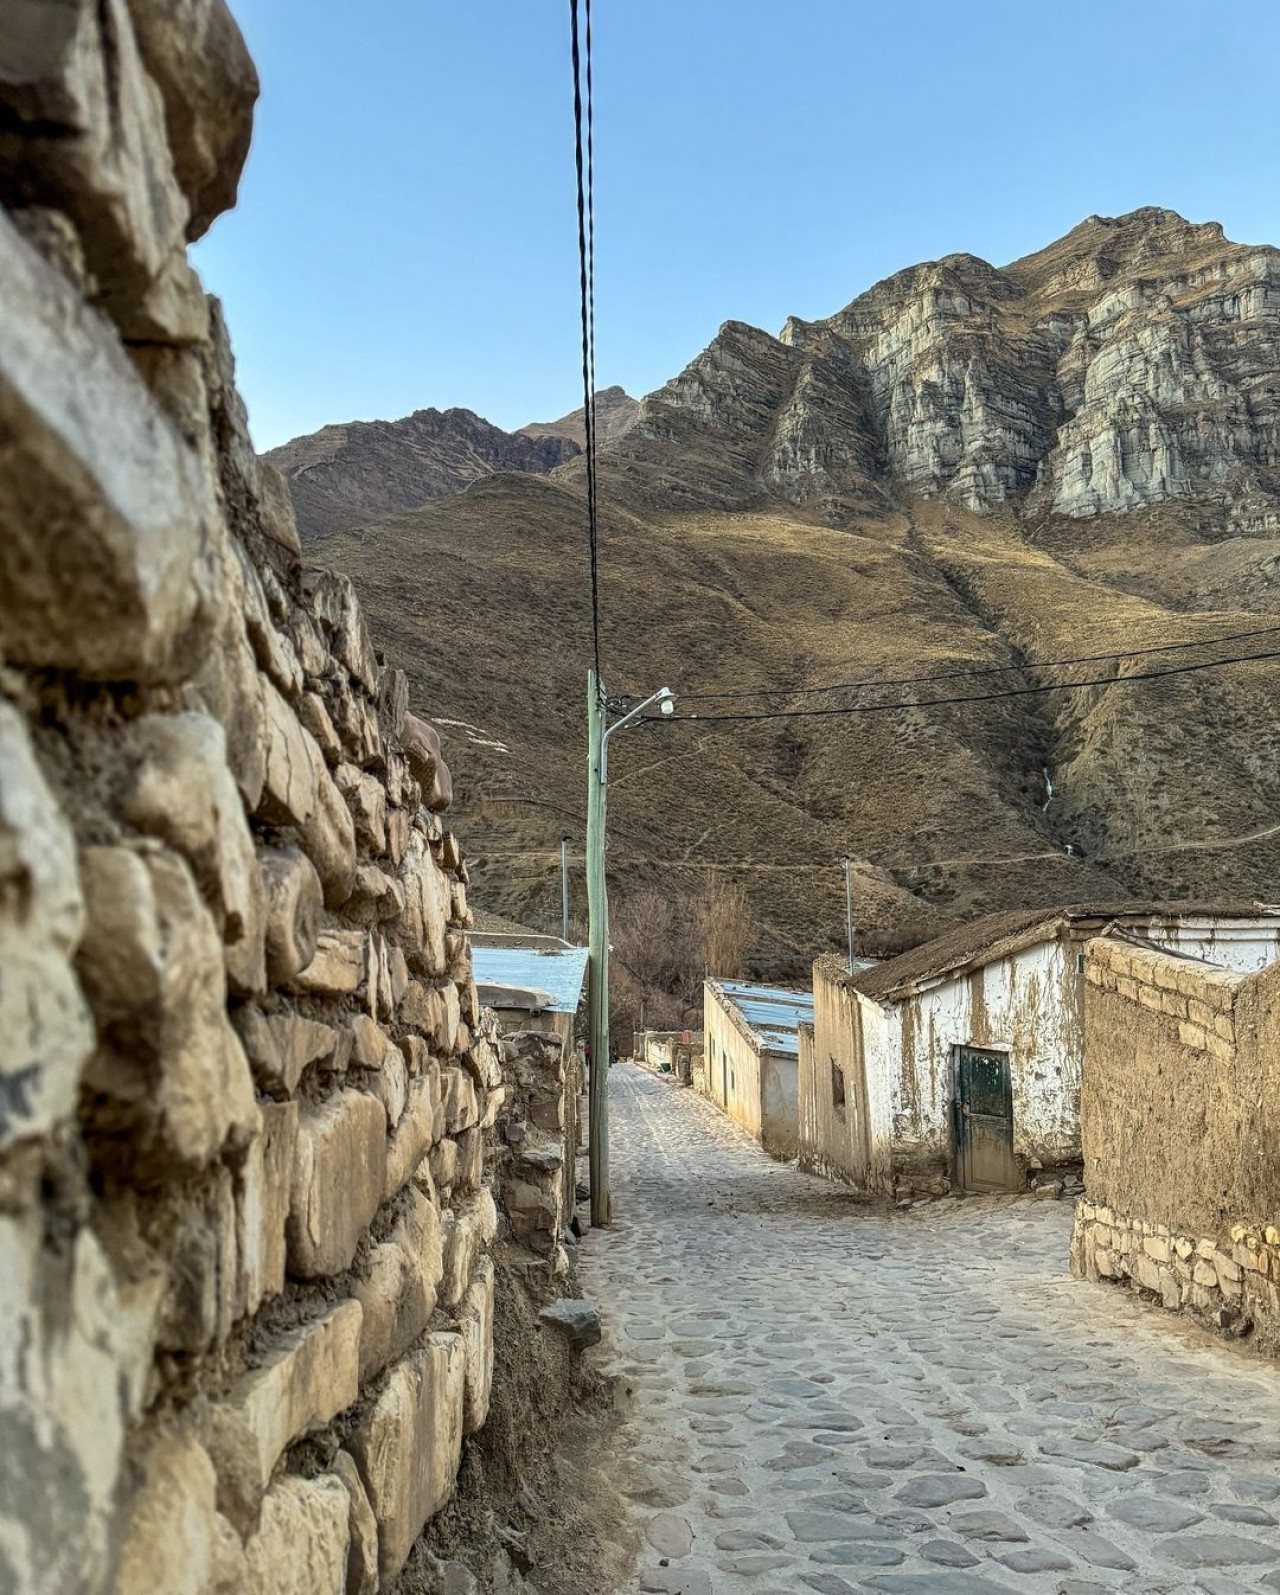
(832, 1397)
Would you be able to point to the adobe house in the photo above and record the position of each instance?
(1180, 1122)
(750, 1057)
(958, 1064)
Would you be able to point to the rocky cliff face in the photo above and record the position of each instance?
(347, 475)
(1131, 363)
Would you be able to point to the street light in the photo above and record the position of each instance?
(598, 734)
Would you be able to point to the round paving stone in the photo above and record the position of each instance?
(1245, 1514)
(1033, 1559)
(1219, 1550)
(669, 1535)
(861, 1555)
(987, 1526)
(1155, 1515)
(947, 1553)
(940, 1489)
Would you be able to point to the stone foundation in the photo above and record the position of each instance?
(246, 1091)
(1232, 1286)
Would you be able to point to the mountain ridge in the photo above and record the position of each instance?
(895, 490)
(354, 471)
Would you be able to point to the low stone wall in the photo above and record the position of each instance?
(246, 1091)
(1180, 1117)
(1234, 1284)
(538, 1126)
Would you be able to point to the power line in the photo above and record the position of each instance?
(984, 697)
(984, 670)
(587, 294)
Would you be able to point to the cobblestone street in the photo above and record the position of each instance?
(831, 1396)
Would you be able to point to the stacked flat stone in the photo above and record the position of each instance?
(246, 1088)
(539, 1125)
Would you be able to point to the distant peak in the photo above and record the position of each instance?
(1150, 216)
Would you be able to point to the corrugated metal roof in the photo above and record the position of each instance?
(558, 971)
(774, 1013)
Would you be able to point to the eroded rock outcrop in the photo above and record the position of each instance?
(1129, 363)
(246, 1089)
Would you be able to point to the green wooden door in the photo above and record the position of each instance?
(984, 1121)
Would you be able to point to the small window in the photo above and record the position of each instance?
(837, 1085)
(733, 1081)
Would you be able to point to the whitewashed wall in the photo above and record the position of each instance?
(734, 1084)
(1029, 1005)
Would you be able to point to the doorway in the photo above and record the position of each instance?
(984, 1121)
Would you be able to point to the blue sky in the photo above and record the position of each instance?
(406, 232)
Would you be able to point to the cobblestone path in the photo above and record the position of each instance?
(835, 1397)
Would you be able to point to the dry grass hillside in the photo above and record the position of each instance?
(797, 513)
(484, 598)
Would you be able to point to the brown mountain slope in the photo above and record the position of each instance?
(615, 411)
(965, 469)
(346, 475)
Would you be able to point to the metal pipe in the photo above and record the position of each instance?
(848, 904)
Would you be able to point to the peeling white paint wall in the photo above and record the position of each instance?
(1028, 1005)
(779, 1107)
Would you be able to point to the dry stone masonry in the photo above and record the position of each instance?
(246, 1306)
(1180, 1135)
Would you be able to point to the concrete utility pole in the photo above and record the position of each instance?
(848, 904)
(564, 888)
(598, 734)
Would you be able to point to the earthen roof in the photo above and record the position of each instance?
(994, 936)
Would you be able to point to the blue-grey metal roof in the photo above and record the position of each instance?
(772, 1012)
(559, 971)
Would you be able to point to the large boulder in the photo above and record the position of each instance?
(197, 56)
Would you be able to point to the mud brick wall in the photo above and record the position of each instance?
(245, 1090)
(1180, 1118)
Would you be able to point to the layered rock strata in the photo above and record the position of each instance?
(1130, 363)
(246, 1311)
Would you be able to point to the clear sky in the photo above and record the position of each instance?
(406, 230)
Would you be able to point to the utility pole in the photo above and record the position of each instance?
(848, 904)
(598, 734)
(597, 962)
(564, 889)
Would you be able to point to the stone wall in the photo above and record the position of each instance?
(1180, 1120)
(245, 1306)
(540, 1130)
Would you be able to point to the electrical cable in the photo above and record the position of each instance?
(984, 670)
(985, 697)
(586, 287)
